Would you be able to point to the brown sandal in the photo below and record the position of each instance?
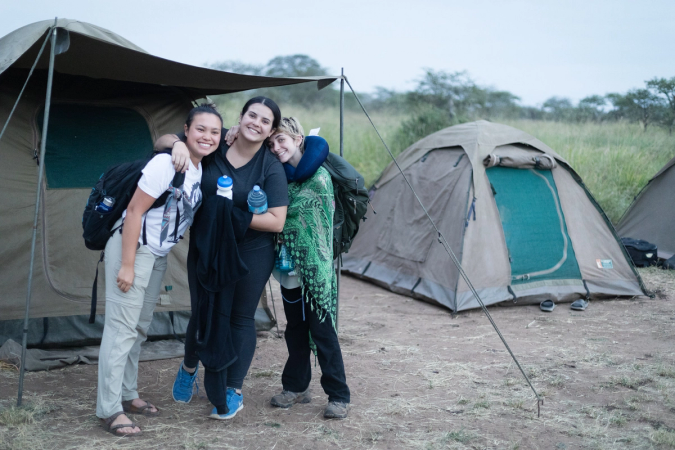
(107, 426)
(143, 410)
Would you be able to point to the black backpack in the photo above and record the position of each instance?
(118, 182)
(642, 253)
(351, 202)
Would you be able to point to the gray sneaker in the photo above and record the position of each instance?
(336, 410)
(287, 398)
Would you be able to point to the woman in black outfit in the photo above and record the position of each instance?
(248, 162)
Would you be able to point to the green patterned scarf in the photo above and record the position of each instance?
(308, 233)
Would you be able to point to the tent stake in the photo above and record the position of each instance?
(43, 146)
(342, 128)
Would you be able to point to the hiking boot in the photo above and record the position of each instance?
(336, 410)
(183, 385)
(287, 398)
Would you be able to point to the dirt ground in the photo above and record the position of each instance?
(419, 379)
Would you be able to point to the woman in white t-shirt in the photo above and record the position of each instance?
(135, 262)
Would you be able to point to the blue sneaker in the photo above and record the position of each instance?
(183, 385)
(235, 403)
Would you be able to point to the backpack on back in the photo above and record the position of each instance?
(118, 182)
(351, 202)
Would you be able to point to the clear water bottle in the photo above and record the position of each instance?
(105, 205)
(257, 200)
(225, 187)
(284, 261)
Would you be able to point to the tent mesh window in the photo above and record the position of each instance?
(534, 225)
(84, 140)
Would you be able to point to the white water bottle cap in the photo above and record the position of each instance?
(224, 182)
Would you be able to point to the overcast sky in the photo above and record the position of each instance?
(535, 49)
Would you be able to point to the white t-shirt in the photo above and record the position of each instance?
(156, 179)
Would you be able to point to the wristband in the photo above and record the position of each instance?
(174, 142)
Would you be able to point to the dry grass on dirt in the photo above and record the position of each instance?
(419, 379)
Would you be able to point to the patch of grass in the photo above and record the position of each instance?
(462, 401)
(665, 371)
(516, 404)
(273, 424)
(481, 404)
(630, 382)
(617, 420)
(556, 382)
(633, 403)
(25, 414)
(664, 437)
(264, 374)
(460, 436)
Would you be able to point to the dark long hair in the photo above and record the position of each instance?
(204, 108)
(267, 102)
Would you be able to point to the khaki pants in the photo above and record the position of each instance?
(127, 319)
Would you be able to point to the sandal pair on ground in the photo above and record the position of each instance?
(129, 408)
(185, 381)
(577, 305)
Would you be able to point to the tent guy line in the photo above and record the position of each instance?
(444, 243)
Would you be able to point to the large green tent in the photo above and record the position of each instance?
(110, 101)
(518, 217)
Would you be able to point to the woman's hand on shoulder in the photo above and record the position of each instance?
(232, 135)
(180, 156)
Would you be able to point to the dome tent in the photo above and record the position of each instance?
(110, 101)
(652, 214)
(524, 229)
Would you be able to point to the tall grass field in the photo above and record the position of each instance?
(615, 160)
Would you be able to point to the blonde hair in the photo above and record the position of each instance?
(291, 126)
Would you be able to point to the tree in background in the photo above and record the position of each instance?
(558, 109)
(591, 108)
(305, 95)
(665, 87)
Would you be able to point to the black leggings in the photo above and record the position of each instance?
(301, 321)
(258, 255)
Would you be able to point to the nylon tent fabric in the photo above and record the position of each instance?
(101, 54)
(115, 83)
(652, 215)
(396, 249)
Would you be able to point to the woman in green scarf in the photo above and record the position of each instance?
(309, 289)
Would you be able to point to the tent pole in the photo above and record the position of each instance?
(41, 164)
(342, 129)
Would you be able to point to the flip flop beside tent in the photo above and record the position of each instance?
(651, 216)
(518, 217)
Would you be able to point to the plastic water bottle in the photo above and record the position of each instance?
(284, 261)
(257, 200)
(105, 205)
(225, 187)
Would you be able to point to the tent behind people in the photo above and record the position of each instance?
(651, 217)
(524, 229)
(110, 101)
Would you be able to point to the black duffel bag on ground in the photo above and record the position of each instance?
(642, 253)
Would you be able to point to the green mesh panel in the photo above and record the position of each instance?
(83, 141)
(530, 212)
